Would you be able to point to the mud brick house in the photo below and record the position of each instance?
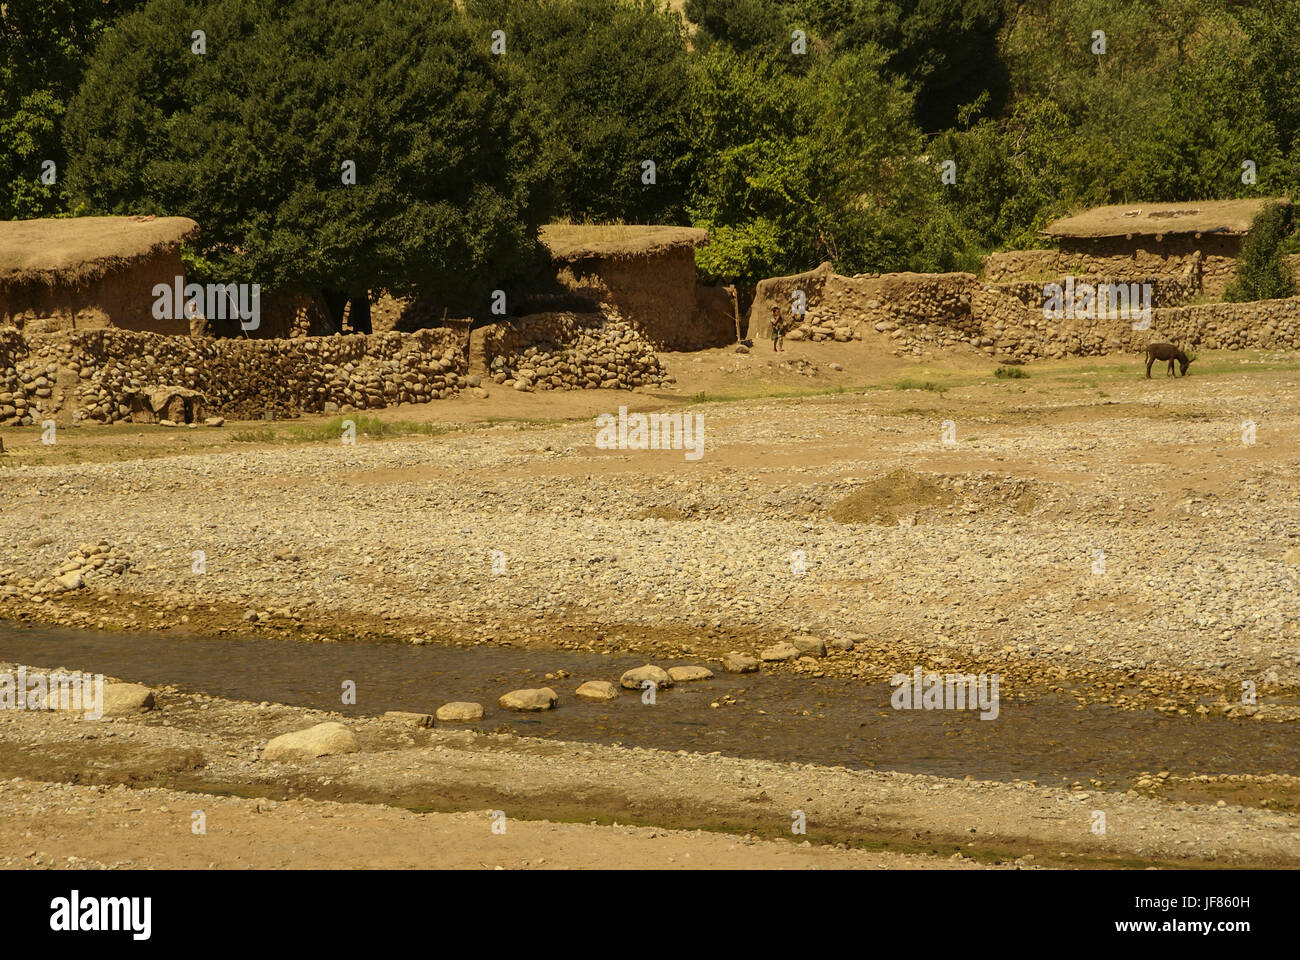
(1200, 239)
(646, 274)
(90, 272)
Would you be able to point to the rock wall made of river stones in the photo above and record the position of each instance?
(95, 375)
(98, 375)
(569, 351)
(1006, 320)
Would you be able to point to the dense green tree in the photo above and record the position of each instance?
(946, 50)
(792, 170)
(1261, 273)
(1167, 112)
(253, 137)
(1272, 63)
(786, 159)
(44, 45)
(612, 75)
(759, 26)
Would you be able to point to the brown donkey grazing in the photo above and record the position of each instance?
(1167, 351)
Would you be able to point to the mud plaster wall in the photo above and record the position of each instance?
(122, 298)
(655, 294)
(716, 311)
(1209, 261)
(780, 292)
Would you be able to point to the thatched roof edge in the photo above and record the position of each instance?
(77, 251)
(1231, 218)
(569, 243)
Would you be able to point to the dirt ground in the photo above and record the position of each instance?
(1081, 532)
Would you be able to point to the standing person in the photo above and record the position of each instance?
(778, 330)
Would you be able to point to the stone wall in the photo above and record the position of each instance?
(849, 306)
(1166, 290)
(920, 312)
(1009, 330)
(567, 351)
(98, 375)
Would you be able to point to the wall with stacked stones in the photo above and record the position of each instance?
(1010, 330)
(97, 375)
(567, 351)
(846, 307)
(1005, 320)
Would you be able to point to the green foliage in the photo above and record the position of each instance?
(745, 26)
(1011, 373)
(331, 431)
(1261, 274)
(1169, 112)
(611, 76)
(907, 383)
(944, 50)
(787, 160)
(1273, 62)
(792, 169)
(249, 139)
(43, 48)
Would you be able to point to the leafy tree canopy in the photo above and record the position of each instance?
(251, 139)
(44, 45)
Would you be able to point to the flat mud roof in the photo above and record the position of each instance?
(1223, 217)
(80, 250)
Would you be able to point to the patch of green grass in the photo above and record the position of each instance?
(368, 427)
(764, 394)
(254, 435)
(909, 384)
(1011, 373)
(521, 423)
(332, 430)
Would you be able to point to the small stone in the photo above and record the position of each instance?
(321, 740)
(635, 678)
(778, 652)
(70, 581)
(410, 719)
(740, 663)
(460, 711)
(687, 674)
(597, 691)
(121, 699)
(809, 646)
(529, 700)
